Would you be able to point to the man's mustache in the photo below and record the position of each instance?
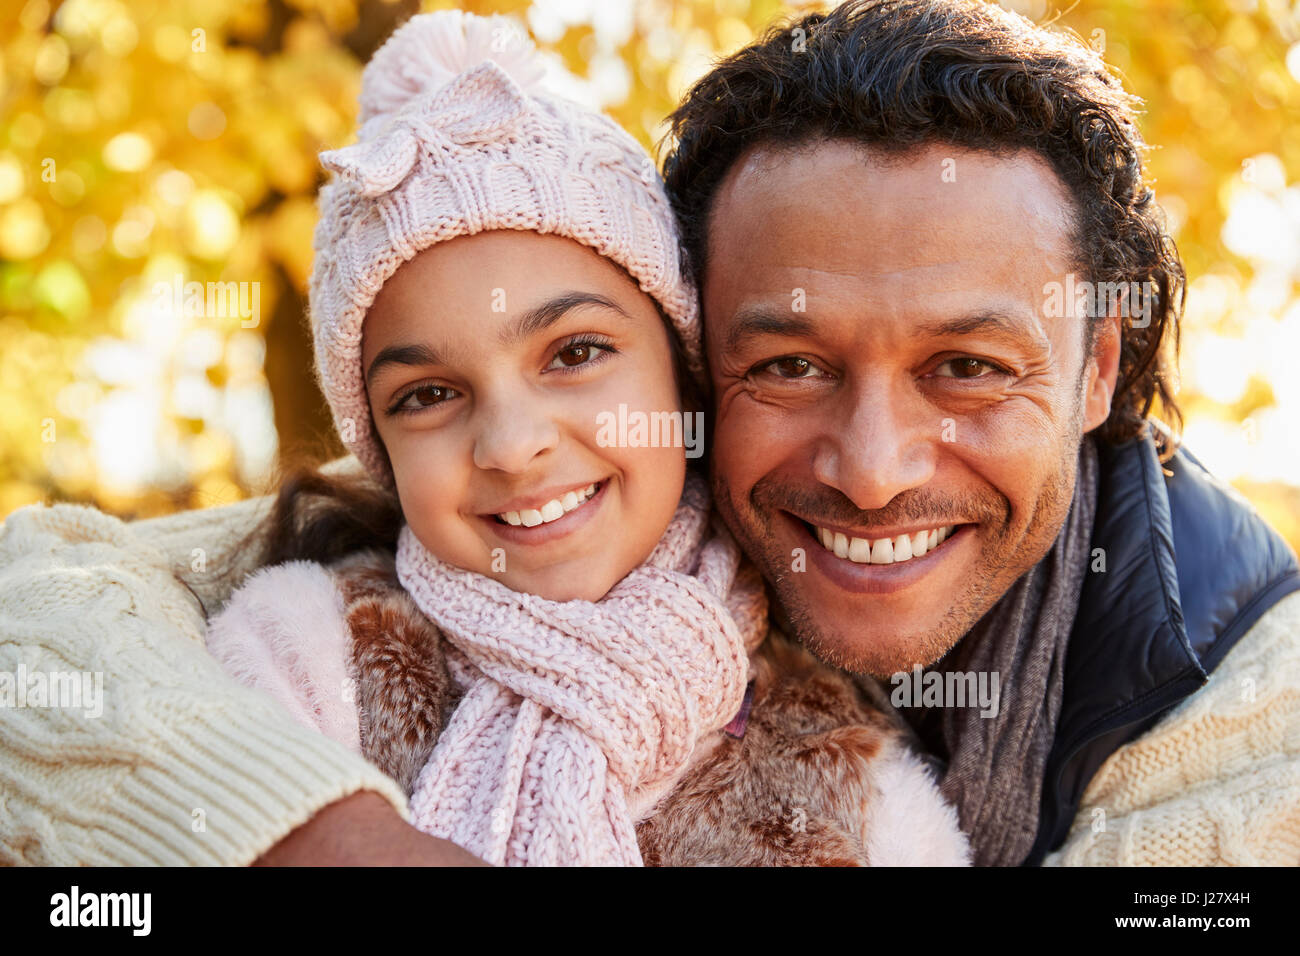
(821, 504)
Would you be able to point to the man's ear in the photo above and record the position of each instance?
(1103, 371)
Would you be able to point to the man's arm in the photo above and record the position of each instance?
(1217, 781)
(163, 759)
(363, 830)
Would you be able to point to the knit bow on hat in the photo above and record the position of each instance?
(477, 108)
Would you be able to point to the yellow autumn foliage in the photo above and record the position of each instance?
(152, 143)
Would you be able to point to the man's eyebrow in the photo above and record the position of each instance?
(530, 323)
(764, 322)
(991, 322)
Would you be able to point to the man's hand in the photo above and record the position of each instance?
(363, 830)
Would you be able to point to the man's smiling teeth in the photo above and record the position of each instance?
(555, 508)
(904, 547)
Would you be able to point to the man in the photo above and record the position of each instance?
(937, 452)
(936, 296)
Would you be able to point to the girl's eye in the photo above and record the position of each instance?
(439, 394)
(791, 367)
(968, 368)
(577, 354)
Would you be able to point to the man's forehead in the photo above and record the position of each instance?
(937, 220)
(929, 193)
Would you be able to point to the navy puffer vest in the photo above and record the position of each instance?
(1190, 567)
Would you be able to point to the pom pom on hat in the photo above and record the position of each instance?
(429, 51)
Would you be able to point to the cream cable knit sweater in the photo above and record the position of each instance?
(185, 766)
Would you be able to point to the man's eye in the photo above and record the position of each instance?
(438, 393)
(791, 367)
(967, 368)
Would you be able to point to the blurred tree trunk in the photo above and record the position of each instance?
(302, 417)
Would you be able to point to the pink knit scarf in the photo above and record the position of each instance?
(577, 717)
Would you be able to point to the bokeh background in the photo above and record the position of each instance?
(147, 140)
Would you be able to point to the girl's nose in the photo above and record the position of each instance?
(511, 433)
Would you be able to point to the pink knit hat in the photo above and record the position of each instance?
(457, 137)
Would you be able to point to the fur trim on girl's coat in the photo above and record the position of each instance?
(820, 778)
(818, 775)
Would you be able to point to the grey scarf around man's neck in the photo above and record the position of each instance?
(996, 764)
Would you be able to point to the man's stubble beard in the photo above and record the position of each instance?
(795, 616)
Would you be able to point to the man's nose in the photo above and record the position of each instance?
(511, 430)
(879, 444)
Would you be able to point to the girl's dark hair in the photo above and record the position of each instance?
(895, 75)
(320, 516)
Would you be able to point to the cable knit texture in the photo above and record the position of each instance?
(184, 765)
(578, 716)
(459, 136)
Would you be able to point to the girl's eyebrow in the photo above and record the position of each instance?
(530, 323)
(402, 355)
(546, 314)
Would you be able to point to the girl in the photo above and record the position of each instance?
(558, 655)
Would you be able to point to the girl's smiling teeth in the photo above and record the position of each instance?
(553, 509)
